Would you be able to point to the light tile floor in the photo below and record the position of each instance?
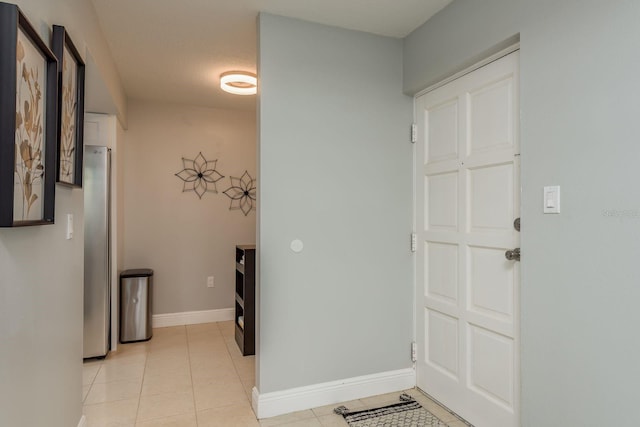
(195, 375)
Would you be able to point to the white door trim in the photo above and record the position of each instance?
(455, 76)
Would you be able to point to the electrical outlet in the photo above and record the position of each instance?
(210, 282)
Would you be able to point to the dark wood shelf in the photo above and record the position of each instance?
(245, 333)
(239, 301)
(240, 267)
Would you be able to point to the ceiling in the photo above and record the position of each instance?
(174, 51)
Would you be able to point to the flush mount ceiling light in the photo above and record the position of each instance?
(238, 83)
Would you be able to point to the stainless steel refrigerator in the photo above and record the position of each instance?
(97, 259)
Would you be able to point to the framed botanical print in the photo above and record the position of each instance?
(28, 98)
(70, 108)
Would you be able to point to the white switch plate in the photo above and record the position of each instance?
(210, 283)
(551, 201)
(69, 226)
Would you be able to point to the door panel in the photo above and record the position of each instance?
(468, 195)
(443, 132)
(442, 350)
(490, 110)
(442, 266)
(491, 283)
(491, 198)
(491, 365)
(442, 212)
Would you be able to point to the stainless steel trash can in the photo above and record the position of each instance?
(136, 295)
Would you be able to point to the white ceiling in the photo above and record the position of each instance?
(175, 50)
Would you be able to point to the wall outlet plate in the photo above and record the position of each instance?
(210, 282)
(69, 234)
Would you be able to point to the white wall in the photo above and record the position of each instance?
(579, 130)
(41, 273)
(335, 172)
(183, 238)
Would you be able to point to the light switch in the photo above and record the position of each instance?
(552, 199)
(69, 226)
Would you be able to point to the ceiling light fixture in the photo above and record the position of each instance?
(239, 83)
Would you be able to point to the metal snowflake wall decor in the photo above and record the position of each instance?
(242, 193)
(199, 175)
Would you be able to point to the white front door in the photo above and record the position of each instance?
(468, 196)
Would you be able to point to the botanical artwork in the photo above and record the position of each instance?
(29, 136)
(68, 109)
(199, 175)
(242, 193)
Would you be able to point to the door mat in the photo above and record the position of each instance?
(407, 413)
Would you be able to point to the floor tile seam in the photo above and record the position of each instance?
(226, 342)
(118, 363)
(218, 406)
(123, 372)
(107, 402)
(158, 393)
(165, 417)
(144, 371)
(193, 393)
(226, 405)
(207, 332)
(100, 363)
(297, 419)
(93, 380)
(123, 362)
(120, 399)
(117, 380)
(140, 395)
(235, 368)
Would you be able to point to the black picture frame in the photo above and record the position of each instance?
(70, 111)
(27, 123)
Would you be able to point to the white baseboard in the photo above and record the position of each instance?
(297, 399)
(82, 422)
(192, 317)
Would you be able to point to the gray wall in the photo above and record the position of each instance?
(579, 130)
(334, 172)
(41, 273)
(184, 238)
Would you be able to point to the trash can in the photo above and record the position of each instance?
(136, 293)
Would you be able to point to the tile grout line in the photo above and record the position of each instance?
(93, 381)
(144, 370)
(226, 345)
(235, 367)
(193, 391)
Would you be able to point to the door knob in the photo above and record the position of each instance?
(513, 254)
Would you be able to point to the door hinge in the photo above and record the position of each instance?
(414, 352)
(414, 242)
(414, 132)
